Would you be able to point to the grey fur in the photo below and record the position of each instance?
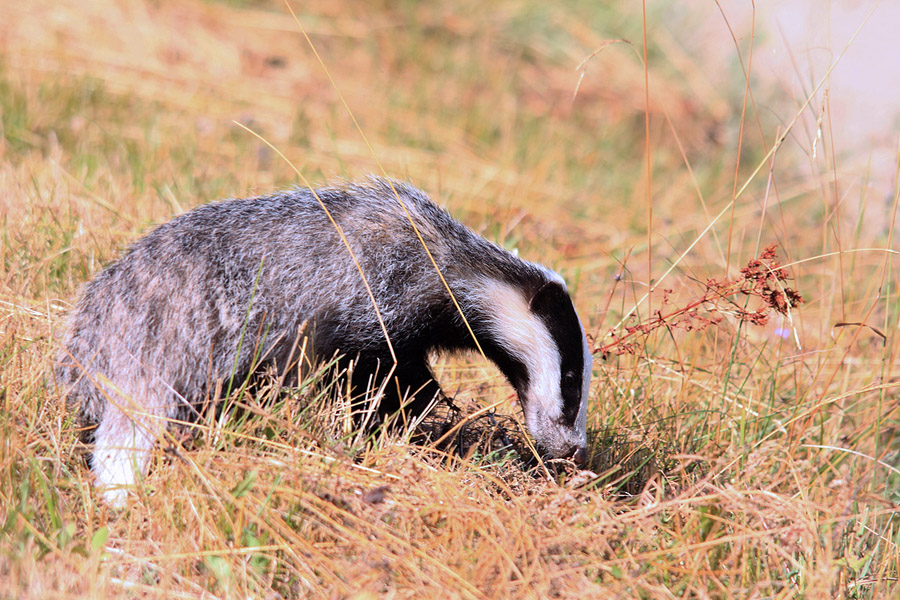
(155, 331)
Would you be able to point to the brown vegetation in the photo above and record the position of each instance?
(728, 461)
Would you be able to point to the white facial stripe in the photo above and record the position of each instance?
(530, 341)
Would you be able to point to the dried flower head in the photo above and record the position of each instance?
(764, 277)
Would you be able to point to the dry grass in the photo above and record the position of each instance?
(730, 462)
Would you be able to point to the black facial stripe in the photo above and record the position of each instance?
(515, 370)
(553, 306)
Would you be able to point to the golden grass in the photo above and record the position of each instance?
(730, 462)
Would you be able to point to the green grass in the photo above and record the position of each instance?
(729, 462)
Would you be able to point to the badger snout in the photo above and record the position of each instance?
(575, 453)
(579, 455)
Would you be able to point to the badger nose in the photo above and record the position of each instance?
(579, 457)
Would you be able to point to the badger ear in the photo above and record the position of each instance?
(550, 298)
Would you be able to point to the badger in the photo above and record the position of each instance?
(373, 272)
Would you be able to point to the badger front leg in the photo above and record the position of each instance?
(412, 389)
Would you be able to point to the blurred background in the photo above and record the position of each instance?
(526, 119)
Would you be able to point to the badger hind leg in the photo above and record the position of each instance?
(122, 447)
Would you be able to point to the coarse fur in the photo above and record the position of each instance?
(224, 290)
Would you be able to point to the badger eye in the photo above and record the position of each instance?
(569, 379)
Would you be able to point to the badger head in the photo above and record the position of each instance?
(539, 344)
